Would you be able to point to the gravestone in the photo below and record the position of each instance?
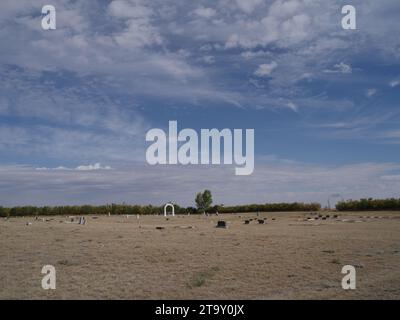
(261, 221)
(222, 224)
(246, 222)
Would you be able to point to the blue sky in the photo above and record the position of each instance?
(76, 102)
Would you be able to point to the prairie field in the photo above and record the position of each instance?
(187, 257)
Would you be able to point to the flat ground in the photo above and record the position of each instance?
(123, 257)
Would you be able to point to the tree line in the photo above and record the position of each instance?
(203, 202)
(114, 209)
(369, 204)
(126, 209)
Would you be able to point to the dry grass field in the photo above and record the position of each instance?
(128, 258)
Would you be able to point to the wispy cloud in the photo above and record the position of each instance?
(90, 167)
(87, 92)
(143, 184)
(340, 68)
(394, 83)
(371, 92)
(265, 69)
(205, 12)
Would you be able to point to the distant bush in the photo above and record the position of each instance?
(368, 204)
(4, 212)
(125, 209)
(269, 207)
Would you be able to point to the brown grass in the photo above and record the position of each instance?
(120, 258)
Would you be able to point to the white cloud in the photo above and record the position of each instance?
(129, 9)
(393, 134)
(128, 48)
(90, 167)
(284, 8)
(292, 106)
(395, 177)
(208, 59)
(205, 12)
(254, 54)
(371, 92)
(288, 181)
(340, 68)
(265, 69)
(138, 33)
(248, 6)
(394, 83)
(285, 24)
(134, 40)
(206, 47)
(139, 30)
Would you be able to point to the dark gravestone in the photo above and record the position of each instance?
(222, 224)
(261, 221)
(160, 228)
(246, 221)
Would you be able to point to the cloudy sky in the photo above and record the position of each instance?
(76, 102)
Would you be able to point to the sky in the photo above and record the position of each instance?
(76, 102)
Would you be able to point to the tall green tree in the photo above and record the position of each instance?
(203, 200)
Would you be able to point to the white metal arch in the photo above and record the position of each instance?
(165, 209)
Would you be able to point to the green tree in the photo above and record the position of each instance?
(203, 200)
(4, 212)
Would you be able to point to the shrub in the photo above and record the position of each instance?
(125, 209)
(368, 204)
